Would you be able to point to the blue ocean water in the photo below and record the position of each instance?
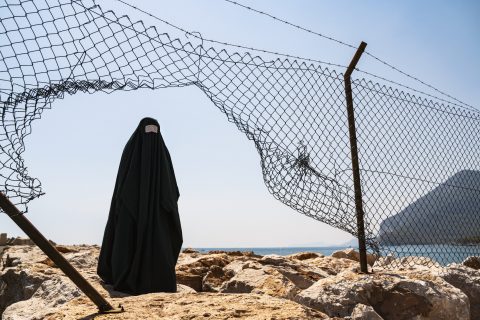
(443, 254)
(282, 251)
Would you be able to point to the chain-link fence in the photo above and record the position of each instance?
(419, 166)
(418, 155)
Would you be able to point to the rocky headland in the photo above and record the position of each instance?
(453, 206)
(242, 285)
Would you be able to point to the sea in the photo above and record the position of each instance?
(443, 254)
(282, 251)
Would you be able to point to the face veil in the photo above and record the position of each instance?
(143, 235)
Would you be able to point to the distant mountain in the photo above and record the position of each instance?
(450, 213)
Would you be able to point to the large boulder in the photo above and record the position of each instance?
(17, 285)
(30, 281)
(332, 266)
(354, 255)
(256, 278)
(193, 281)
(468, 281)
(302, 274)
(391, 296)
(200, 264)
(272, 274)
(215, 278)
(472, 262)
(305, 256)
(211, 272)
(84, 259)
(49, 295)
(192, 269)
(30, 275)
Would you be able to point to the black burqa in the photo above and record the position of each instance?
(143, 236)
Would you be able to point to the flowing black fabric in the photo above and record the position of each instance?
(143, 235)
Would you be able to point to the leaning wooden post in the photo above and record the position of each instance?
(355, 165)
(32, 232)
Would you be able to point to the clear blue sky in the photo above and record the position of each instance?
(75, 148)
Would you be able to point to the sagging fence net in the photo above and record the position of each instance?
(419, 156)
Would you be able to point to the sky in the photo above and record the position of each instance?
(75, 148)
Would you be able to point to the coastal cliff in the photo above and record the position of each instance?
(447, 214)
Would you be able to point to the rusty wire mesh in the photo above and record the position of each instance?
(418, 154)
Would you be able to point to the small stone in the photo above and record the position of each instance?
(264, 280)
(472, 262)
(364, 312)
(305, 256)
(190, 250)
(64, 249)
(190, 280)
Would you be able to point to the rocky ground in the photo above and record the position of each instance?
(229, 285)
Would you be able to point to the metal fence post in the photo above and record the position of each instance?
(72, 273)
(362, 248)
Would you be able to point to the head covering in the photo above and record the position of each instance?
(143, 235)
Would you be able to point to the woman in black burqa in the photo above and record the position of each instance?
(143, 236)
